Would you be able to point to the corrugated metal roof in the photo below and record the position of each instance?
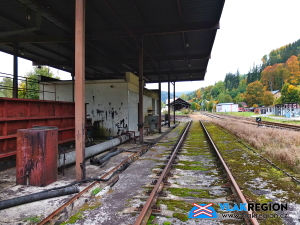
(178, 35)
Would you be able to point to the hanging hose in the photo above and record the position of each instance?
(38, 196)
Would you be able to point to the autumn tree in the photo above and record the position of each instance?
(289, 93)
(268, 98)
(273, 77)
(254, 93)
(292, 65)
(198, 94)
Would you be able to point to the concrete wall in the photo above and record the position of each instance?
(133, 100)
(112, 104)
(108, 106)
(63, 91)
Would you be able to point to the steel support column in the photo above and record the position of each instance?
(15, 80)
(73, 81)
(80, 88)
(141, 89)
(174, 102)
(169, 100)
(159, 99)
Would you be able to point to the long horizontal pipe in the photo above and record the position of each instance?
(92, 150)
(37, 197)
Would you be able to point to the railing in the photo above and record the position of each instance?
(26, 91)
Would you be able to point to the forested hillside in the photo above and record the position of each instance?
(279, 70)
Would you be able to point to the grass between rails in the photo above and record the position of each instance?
(80, 214)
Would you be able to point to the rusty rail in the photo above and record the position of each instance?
(70, 201)
(147, 208)
(234, 185)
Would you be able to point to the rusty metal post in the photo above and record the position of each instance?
(36, 156)
(174, 102)
(15, 80)
(159, 99)
(80, 88)
(141, 89)
(169, 101)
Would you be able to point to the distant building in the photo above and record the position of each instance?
(178, 104)
(171, 100)
(276, 94)
(227, 107)
(243, 104)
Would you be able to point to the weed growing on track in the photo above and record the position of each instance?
(282, 145)
(181, 216)
(185, 192)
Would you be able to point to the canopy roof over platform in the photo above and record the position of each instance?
(177, 35)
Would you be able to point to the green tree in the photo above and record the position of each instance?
(31, 88)
(193, 106)
(210, 105)
(184, 97)
(6, 87)
(239, 98)
(254, 93)
(217, 89)
(223, 98)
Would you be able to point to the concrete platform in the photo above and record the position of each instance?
(33, 212)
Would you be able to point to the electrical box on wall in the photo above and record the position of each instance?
(151, 122)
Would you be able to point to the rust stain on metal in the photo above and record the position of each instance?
(36, 157)
(147, 208)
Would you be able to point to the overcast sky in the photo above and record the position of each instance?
(249, 29)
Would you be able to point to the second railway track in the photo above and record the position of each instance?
(253, 122)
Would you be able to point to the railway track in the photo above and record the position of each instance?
(149, 206)
(88, 189)
(198, 170)
(253, 122)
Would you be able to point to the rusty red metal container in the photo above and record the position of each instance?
(37, 156)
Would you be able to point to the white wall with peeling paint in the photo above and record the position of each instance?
(112, 104)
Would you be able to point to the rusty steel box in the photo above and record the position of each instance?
(37, 156)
